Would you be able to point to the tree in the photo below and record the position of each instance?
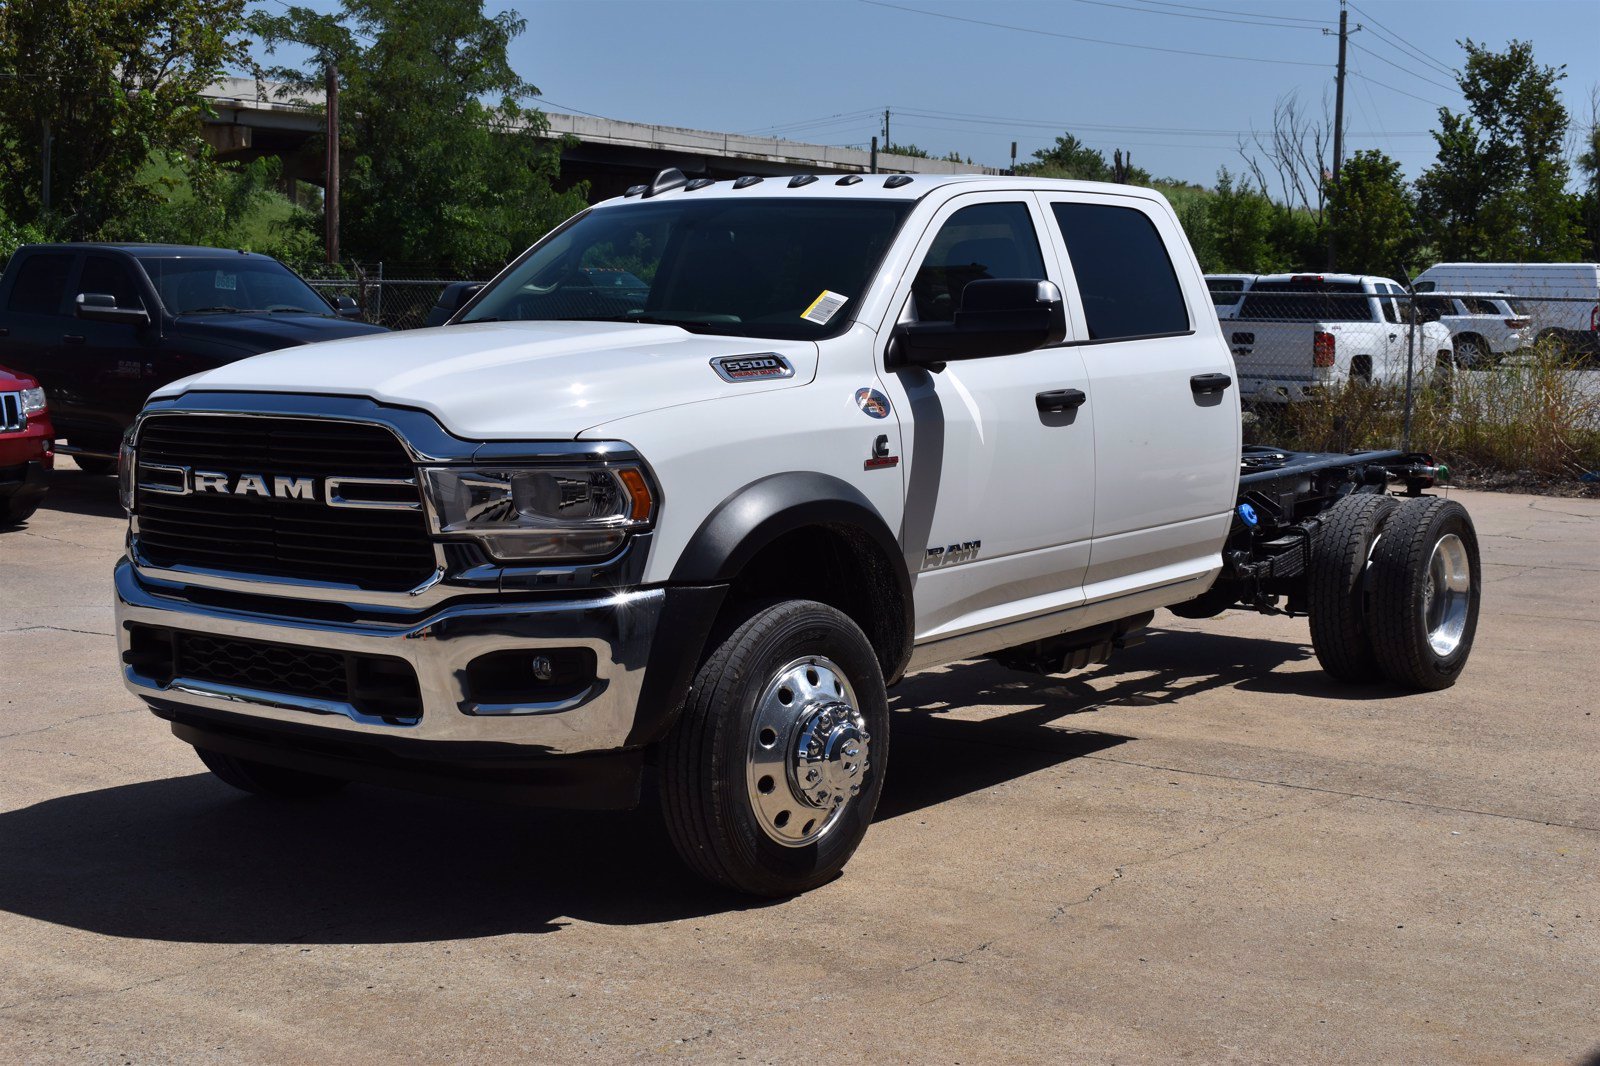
(1240, 220)
(1498, 188)
(1589, 164)
(1374, 216)
(906, 149)
(114, 82)
(435, 175)
(1070, 158)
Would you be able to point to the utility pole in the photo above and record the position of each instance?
(330, 199)
(887, 143)
(44, 185)
(1338, 124)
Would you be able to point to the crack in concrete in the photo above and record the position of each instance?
(73, 543)
(1216, 838)
(960, 959)
(61, 629)
(1352, 795)
(66, 721)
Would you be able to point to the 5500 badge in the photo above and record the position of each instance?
(752, 367)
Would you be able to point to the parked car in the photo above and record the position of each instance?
(26, 446)
(1227, 291)
(1562, 299)
(1298, 335)
(1484, 326)
(104, 325)
(854, 429)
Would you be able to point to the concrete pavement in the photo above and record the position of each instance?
(1203, 852)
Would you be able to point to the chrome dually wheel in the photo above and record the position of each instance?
(1425, 584)
(809, 753)
(1447, 597)
(770, 778)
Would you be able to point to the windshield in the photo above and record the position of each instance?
(220, 285)
(762, 267)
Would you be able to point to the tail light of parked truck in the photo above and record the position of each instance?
(1321, 349)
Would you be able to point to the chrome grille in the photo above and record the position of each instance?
(383, 550)
(11, 418)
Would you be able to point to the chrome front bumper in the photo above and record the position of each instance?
(620, 629)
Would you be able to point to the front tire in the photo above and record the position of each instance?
(13, 513)
(1426, 587)
(264, 779)
(771, 776)
(95, 466)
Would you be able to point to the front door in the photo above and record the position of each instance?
(999, 489)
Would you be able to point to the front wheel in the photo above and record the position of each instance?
(1426, 585)
(772, 773)
(94, 465)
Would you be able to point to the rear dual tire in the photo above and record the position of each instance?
(1394, 591)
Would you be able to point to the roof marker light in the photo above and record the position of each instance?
(895, 181)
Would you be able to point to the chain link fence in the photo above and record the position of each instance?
(395, 302)
(1491, 380)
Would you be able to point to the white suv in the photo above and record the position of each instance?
(1484, 326)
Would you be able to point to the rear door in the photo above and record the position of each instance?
(1166, 423)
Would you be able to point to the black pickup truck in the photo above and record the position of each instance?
(104, 325)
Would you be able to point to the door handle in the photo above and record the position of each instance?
(1394, 336)
(1206, 384)
(71, 338)
(1051, 403)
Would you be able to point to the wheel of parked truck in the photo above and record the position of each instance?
(1426, 583)
(1337, 585)
(1471, 353)
(94, 465)
(770, 778)
(13, 513)
(263, 779)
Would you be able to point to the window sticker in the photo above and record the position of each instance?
(824, 307)
(227, 282)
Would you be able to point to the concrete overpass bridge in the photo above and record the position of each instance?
(608, 153)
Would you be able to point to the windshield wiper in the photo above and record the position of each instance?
(221, 310)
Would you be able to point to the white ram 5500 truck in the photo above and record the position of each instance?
(707, 469)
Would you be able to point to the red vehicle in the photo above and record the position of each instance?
(27, 446)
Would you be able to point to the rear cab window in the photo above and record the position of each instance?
(1125, 277)
(1307, 299)
(40, 287)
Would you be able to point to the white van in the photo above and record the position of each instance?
(1563, 299)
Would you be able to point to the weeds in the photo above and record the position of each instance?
(1536, 414)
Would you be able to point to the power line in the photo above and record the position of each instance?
(1402, 92)
(1403, 70)
(1007, 121)
(1207, 18)
(1092, 40)
(1404, 45)
(564, 107)
(1224, 11)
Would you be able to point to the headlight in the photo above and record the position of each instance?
(32, 401)
(542, 514)
(127, 459)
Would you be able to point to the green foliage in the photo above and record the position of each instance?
(1069, 158)
(1589, 164)
(906, 149)
(230, 207)
(117, 82)
(445, 162)
(1374, 216)
(1498, 189)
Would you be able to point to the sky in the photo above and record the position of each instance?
(975, 76)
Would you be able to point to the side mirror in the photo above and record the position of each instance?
(454, 297)
(998, 316)
(346, 307)
(102, 307)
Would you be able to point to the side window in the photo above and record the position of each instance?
(1477, 305)
(1385, 294)
(978, 242)
(1125, 277)
(41, 285)
(103, 274)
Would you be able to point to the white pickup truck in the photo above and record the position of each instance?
(1297, 336)
(839, 430)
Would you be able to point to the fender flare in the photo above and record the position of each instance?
(754, 516)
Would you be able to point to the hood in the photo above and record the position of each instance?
(16, 380)
(266, 333)
(514, 380)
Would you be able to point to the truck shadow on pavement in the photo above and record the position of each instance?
(74, 492)
(187, 859)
